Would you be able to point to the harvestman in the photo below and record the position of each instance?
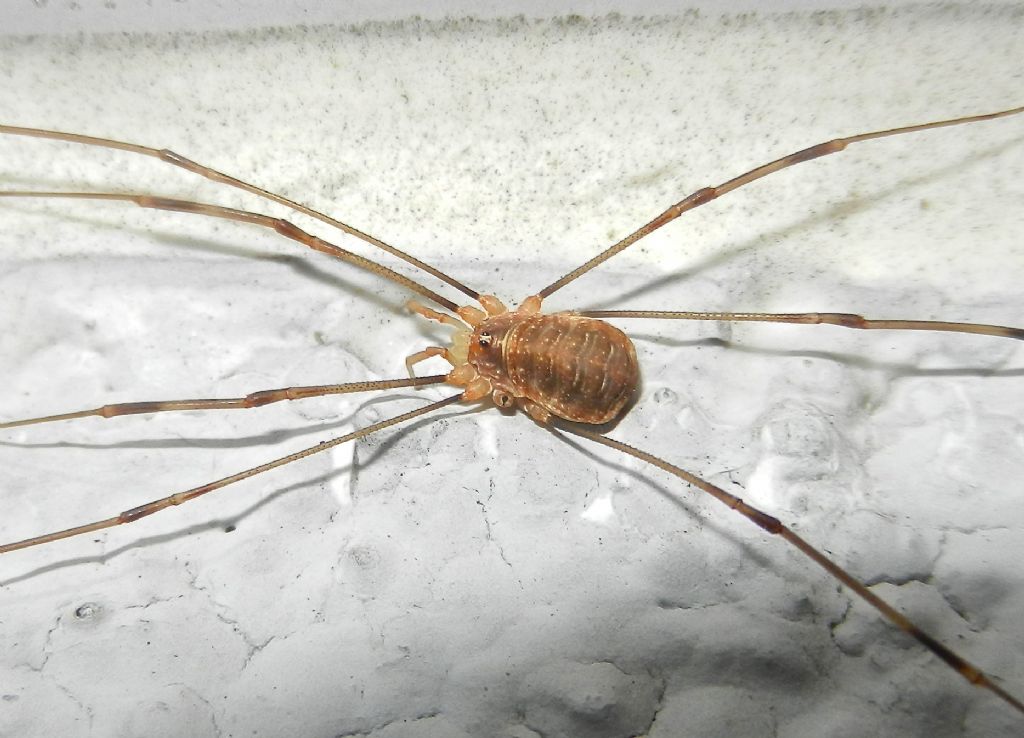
(558, 367)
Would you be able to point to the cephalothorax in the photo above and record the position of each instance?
(563, 364)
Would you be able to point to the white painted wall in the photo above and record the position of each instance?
(476, 576)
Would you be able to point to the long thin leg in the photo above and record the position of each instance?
(177, 160)
(846, 320)
(154, 506)
(253, 399)
(707, 194)
(284, 227)
(772, 525)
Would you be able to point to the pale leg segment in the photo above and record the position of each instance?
(427, 353)
(462, 374)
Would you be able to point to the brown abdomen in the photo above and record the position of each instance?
(577, 368)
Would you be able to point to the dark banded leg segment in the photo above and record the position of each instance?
(253, 399)
(179, 498)
(169, 157)
(772, 525)
(706, 194)
(845, 320)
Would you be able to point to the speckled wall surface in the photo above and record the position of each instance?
(475, 575)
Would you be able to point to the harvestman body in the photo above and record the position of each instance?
(556, 367)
